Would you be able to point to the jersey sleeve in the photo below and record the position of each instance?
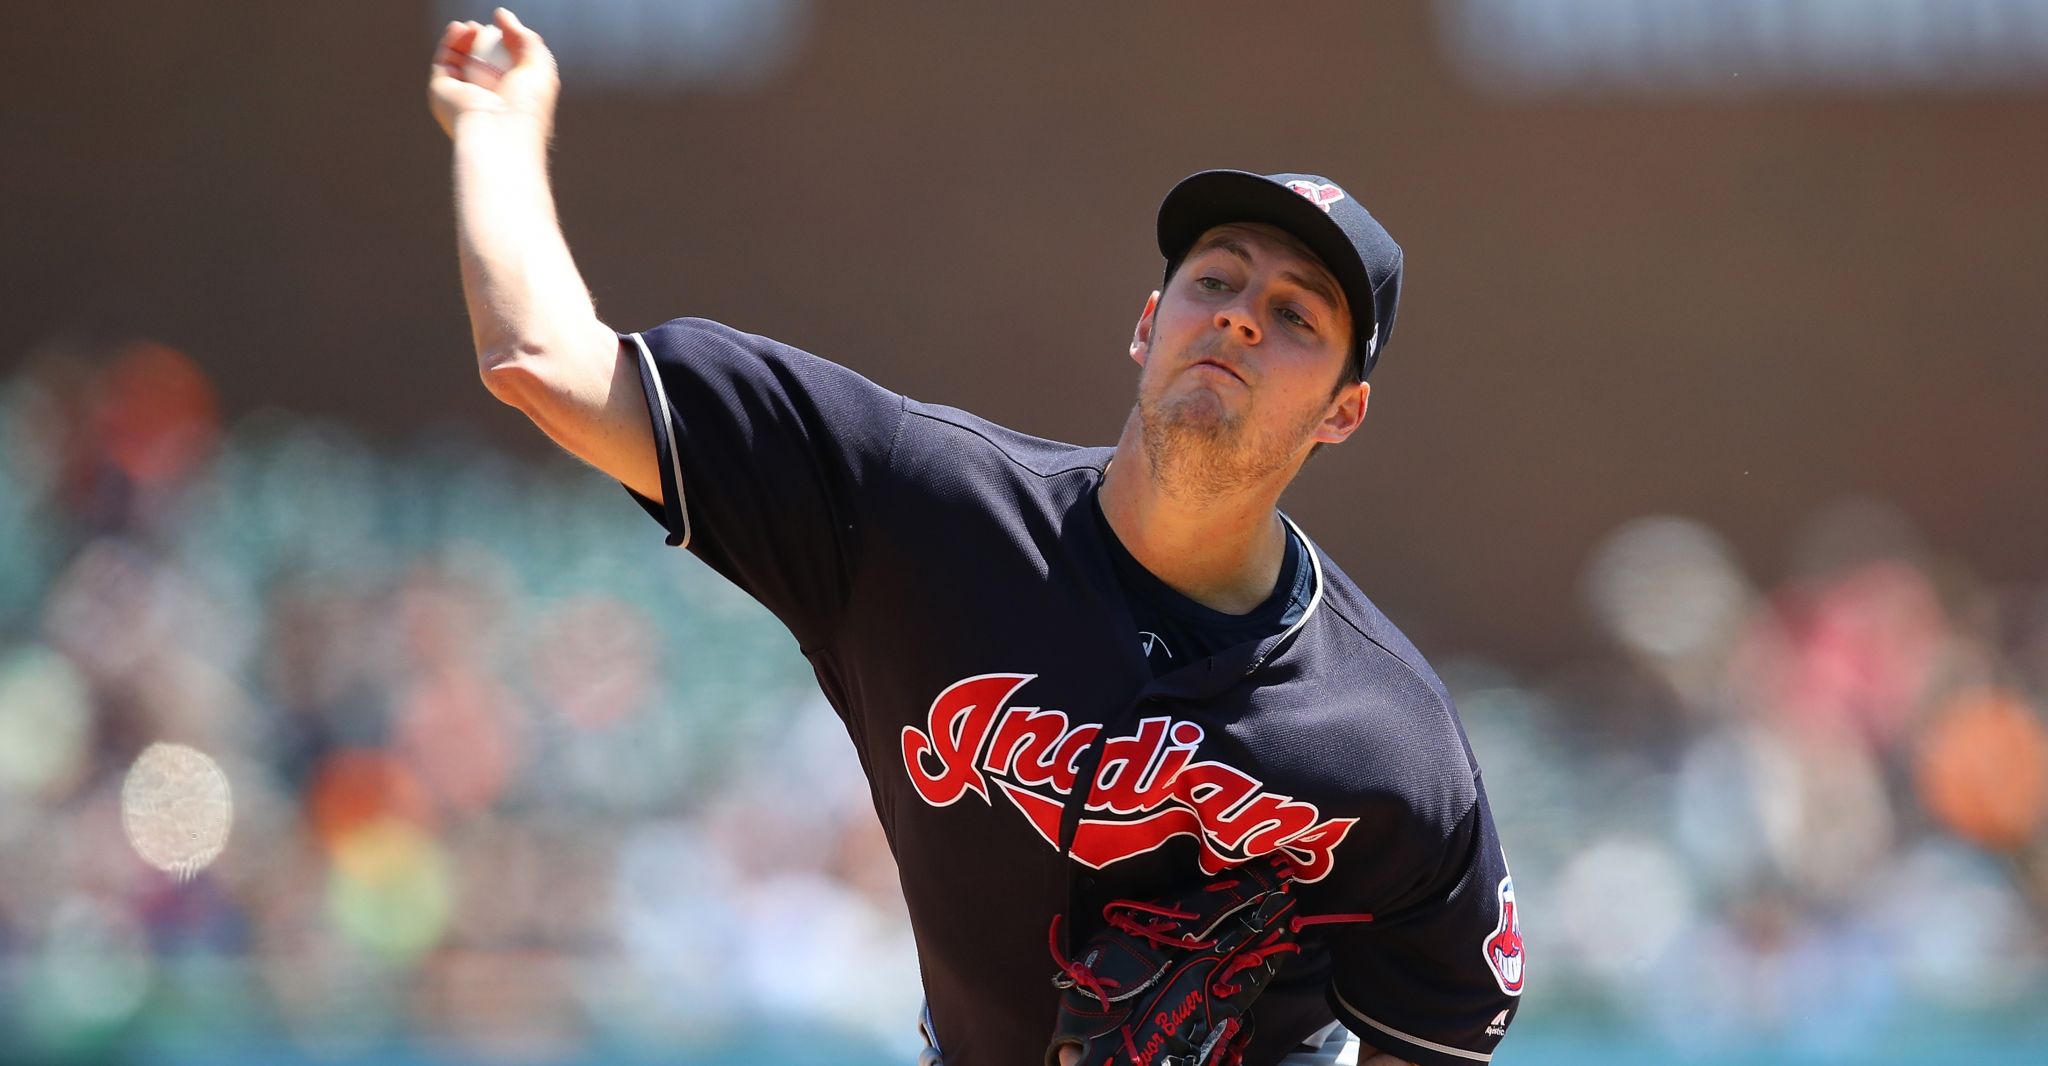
(1436, 980)
(767, 456)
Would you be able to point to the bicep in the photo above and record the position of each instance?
(591, 403)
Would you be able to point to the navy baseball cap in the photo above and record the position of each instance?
(1336, 227)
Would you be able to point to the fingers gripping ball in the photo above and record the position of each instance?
(488, 58)
(1171, 982)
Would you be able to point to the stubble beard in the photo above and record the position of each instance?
(1201, 452)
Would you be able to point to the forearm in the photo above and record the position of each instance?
(527, 302)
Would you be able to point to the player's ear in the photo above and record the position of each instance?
(1141, 338)
(1347, 411)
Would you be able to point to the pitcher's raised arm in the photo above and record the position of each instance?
(539, 343)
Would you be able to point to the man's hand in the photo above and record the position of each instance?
(528, 90)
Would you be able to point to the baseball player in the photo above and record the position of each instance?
(1077, 678)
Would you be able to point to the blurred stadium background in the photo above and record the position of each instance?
(1707, 465)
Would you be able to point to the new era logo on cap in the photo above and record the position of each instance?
(1318, 193)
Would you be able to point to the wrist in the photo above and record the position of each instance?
(501, 124)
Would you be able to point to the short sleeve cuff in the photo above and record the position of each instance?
(673, 511)
(1393, 1041)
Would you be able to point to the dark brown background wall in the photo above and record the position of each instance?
(1731, 306)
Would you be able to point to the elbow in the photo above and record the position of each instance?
(560, 366)
(511, 375)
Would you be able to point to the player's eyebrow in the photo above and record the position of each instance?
(1314, 282)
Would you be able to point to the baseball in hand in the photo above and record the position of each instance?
(488, 58)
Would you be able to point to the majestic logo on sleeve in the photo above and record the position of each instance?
(1504, 948)
(1149, 787)
(1318, 193)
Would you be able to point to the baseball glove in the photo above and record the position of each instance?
(1171, 982)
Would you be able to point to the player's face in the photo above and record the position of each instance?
(1244, 355)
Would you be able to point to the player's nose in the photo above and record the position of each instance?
(1237, 319)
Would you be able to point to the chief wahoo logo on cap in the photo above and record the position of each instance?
(1317, 193)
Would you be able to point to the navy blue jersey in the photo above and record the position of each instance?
(954, 592)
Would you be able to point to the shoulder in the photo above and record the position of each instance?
(684, 337)
(693, 331)
(729, 360)
(1355, 620)
(699, 360)
(1385, 706)
(934, 437)
(933, 432)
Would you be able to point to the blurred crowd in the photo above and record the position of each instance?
(508, 774)
(1800, 814)
(512, 778)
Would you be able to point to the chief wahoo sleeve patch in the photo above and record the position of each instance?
(1504, 947)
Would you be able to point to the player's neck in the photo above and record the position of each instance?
(1223, 553)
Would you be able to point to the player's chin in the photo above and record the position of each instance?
(1197, 409)
(1212, 387)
